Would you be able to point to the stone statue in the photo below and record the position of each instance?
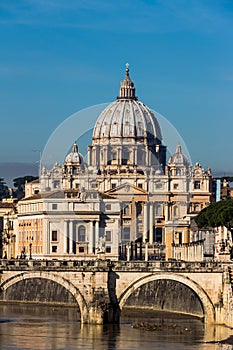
(101, 245)
(83, 194)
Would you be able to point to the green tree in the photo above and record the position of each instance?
(216, 214)
(4, 191)
(19, 183)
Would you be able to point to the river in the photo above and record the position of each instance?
(30, 327)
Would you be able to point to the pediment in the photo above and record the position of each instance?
(126, 189)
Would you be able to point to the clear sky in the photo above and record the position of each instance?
(59, 56)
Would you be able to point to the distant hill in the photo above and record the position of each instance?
(9, 171)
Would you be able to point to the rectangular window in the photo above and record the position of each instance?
(108, 207)
(126, 234)
(54, 235)
(108, 249)
(54, 249)
(158, 185)
(197, 185)
(81, 249)
(113, 186)
(108, 236)
(139, 185)
(77, 185)
(54, 206)
(56, 183)
(114, 155)
(180, 238)
(175, 186)
(158, 234)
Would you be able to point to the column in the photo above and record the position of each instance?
(166, 212)
(202, 252)
(93, 238)
(133, 155)
(136, 156)
(194, 252)
(94, 160)
(186, 256)
(145, 224)
(71, 237)
(147, 156)
(146, 252)
(128, 252)
(151, 231)
(97, 234)
(105, 155)
(65, 235)
(133, 226)
(48, 240)
(120, 155)
(90, 244)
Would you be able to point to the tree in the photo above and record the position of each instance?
(216, 214)
(4, 191)
(19, 183)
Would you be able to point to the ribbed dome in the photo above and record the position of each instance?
(74, 157)
(178, 158)
(127, 117)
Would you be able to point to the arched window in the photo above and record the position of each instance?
(81, 233)
(178, 171)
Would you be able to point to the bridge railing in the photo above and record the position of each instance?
(105, 265)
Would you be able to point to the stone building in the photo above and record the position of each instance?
(8, 228)
(127, 200)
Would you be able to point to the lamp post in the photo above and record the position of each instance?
(30, 239)
(30, 251)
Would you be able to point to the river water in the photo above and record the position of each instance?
(29, 327)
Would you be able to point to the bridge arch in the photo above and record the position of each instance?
(208, 308)
(55, 278)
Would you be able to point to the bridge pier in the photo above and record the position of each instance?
(97, 314)
(104, 307)
(103, 313)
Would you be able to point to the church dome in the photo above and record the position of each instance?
(127, 117)
(178, 158)
(74, 157)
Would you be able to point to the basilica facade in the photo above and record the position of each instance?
(127, 200)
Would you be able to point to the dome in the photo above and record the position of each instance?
(178, 158)
(127, 118)
(74, 157)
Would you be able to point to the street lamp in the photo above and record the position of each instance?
(30, 239)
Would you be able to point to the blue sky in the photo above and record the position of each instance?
(60, 56)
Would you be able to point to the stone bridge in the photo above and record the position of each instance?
(101, 289)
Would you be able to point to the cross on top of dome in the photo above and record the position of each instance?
(127, 89)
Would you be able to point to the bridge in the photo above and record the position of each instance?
(101, 289)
